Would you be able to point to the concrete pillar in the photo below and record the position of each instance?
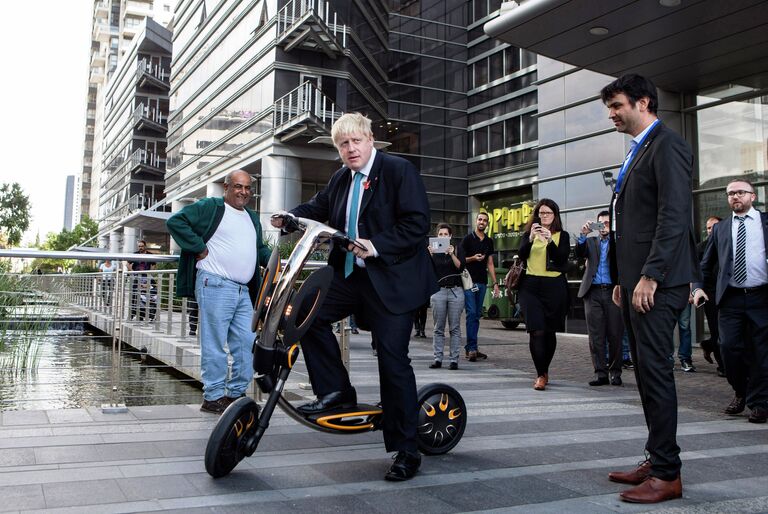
(176, 206)
(214, 189)
(130, 237)
(115, 242)
(104, 241)
(280, 188)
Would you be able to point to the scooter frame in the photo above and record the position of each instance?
(282, 315)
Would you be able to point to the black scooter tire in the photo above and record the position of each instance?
(442, 418)
(228, 443)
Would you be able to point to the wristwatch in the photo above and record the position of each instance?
(646, 277)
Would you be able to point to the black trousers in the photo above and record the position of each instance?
(652, 347)
(744, 343)
(604, 322)
(356, 295)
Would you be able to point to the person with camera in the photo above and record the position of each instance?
(604, 323)
(448, 302)
(543, 292)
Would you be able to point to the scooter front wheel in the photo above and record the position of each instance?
(442, 418)
(231, 439)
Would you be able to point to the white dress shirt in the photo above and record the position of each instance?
(757, 271)
(365, 170)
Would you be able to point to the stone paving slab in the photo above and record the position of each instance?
(523, 451)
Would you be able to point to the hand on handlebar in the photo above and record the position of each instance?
(284, 220)
(362, 248)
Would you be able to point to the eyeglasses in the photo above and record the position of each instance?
(241, 187)
(546, 213)
(740, 192)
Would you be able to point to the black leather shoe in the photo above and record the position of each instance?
(602, 381)
(436, 364)
(616, 381)
(454, 366)
(214, 406)
(736, 406)
(330, 401)
(405, 467)
(758, 415)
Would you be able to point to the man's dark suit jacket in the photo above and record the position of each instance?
(717, 263)
(591, 250)
(394, 215)
(653, 233)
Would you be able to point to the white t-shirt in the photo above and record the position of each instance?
(108, 269)
(232, 249)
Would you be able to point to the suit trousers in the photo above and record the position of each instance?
(604, 322)
(652, 347)
(356, 295)
(744, 343)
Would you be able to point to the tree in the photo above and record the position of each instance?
(14, 212)
(63, 241)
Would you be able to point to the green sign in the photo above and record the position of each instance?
(508, 217)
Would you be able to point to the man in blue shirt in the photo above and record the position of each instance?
(603, 316)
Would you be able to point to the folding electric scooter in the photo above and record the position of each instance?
(282, 314)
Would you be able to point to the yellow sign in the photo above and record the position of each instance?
(507, 223)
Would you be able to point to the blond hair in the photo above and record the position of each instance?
(351, 123)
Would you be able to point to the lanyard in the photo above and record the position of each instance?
(631, 157)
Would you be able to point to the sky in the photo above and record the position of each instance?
(44, 49)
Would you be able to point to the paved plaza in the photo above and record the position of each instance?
(523, 451)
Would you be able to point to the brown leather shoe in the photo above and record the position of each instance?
(540, 384)
(654, 490)
(634, 477)
(546, 378)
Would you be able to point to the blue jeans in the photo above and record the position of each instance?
(225, 328)
(473, 301)
(685, 350)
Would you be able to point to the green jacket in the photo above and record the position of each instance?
(192, 227)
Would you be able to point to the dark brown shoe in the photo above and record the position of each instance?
(758, 415)
(213, 406)
(654, 490)
(736, 406)
(634, 477)
(228, 400)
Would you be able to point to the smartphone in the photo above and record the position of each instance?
(536, 220)
(701, 303)
(597, 225)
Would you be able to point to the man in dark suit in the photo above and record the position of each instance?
(603, 316)
(380, 201)
(736, 260)
(711, 347)
(653, 262)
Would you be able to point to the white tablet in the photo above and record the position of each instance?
(439, 244)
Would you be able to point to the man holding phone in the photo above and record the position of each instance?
(479, 250)
(738, 249)
(603, 316)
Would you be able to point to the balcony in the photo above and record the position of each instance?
(101, 8)
(101, 32)
(96, 75)
(153, 76)
(310, 25)
(304, 112)
(150, 118)
(98, 58)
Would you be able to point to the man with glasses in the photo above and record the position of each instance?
(221, 250)
(735, 259)
(478, 248)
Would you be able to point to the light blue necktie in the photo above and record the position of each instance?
(627, 162)
(352, 230)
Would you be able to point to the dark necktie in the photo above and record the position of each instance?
(740, 262)
(352, 230)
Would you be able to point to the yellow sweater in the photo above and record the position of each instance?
(537, 260)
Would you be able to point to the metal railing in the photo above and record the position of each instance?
(154, 70)
(303, 101)
(153, 114)
(138, 318)
(294, 13)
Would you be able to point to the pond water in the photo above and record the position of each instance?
(75, 370)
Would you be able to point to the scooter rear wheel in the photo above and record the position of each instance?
(442, 418)
(230, 441)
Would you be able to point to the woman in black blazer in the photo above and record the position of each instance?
(543, 292)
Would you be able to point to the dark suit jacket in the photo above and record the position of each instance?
(591, 250)
(654, 215)
(394, 215)
(717, 263)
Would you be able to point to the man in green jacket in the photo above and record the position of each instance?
(221, 250)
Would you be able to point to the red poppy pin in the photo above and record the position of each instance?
(367, 184)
